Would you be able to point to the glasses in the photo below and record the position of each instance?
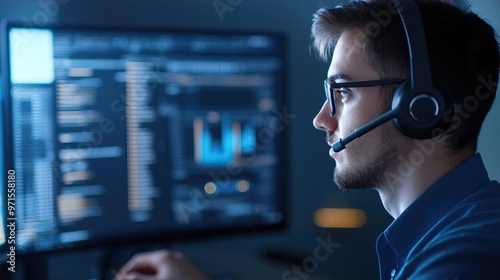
(331, 86)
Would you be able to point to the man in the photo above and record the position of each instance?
(446, 209)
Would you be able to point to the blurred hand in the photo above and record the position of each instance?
(159, 265)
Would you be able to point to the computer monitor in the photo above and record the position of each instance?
(136, 135)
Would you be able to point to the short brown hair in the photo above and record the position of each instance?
(463, 53)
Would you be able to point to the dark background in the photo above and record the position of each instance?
(311, 168)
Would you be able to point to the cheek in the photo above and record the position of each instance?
(357, 113)
(352, 118)
(349, 123)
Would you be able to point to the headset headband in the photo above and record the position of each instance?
(420, 70)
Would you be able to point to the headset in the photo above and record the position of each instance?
(417, 106)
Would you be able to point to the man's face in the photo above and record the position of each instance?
(362, 163)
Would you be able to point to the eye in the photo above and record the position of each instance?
(342, 93)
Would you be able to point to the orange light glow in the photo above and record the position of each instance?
(339, 218)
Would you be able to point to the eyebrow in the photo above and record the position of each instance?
(339, 76)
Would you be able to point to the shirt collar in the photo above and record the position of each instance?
(404, 232)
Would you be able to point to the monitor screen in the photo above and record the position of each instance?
(119, 135)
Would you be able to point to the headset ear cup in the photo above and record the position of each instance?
(397, 106)
(417, 113)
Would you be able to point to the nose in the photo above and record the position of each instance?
(323, 120)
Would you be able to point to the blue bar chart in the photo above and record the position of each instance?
(220, 142)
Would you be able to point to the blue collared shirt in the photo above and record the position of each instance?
(450, 232)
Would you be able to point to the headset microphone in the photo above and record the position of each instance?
(340, 144)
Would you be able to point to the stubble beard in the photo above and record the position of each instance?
(369, 172)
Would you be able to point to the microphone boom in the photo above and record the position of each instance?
(340, 144)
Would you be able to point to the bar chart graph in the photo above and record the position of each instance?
(222, 141)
